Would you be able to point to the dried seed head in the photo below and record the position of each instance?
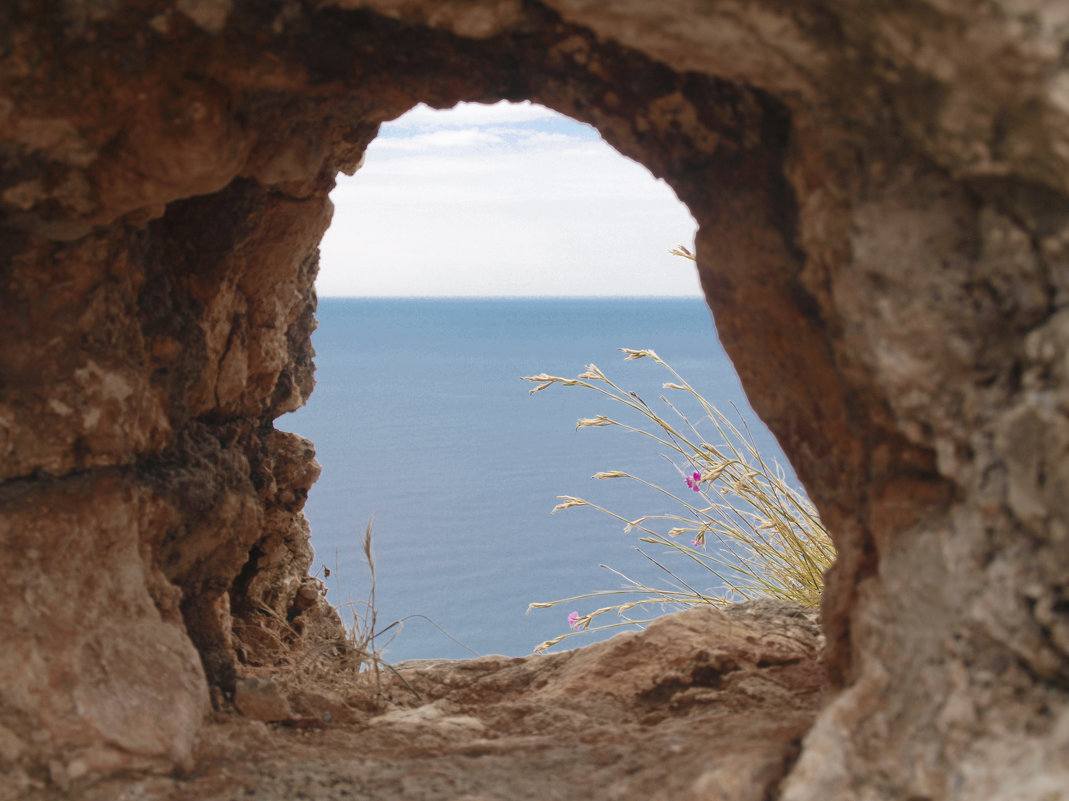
(593, 373)
(593, 422)
(547, 381)
(610, 474)
(714, 474)
(569, 502)
(548, 644)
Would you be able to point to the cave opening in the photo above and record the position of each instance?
(474, 246)
(880, 193)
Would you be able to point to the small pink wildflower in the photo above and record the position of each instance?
(695, 482)
(573, 620)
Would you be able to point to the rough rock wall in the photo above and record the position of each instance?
(883, 195)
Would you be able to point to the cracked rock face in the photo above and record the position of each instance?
(883, 200)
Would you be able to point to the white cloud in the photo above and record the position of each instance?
(541, 138)
(509, 210)
(468, 114)
(460, 137)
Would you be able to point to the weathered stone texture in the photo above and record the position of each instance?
(97, 669)
(883, 196)
(706, 705)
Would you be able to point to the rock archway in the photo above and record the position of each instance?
(883, 197)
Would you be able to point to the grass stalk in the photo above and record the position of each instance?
(751, 530)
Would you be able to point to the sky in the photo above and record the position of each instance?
(502, 200)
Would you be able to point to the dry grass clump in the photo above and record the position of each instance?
(308, 655)
(361, 628)
(738, 520)
(364, 640)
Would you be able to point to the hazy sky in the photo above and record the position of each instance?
(509, 199)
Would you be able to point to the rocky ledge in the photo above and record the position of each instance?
(702, 704)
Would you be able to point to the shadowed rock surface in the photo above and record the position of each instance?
(883, 199)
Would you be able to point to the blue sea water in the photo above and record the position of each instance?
(420, 419)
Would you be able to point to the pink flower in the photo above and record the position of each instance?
(695, 482)
(573, 620)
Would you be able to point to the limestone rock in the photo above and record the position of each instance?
(96, 665)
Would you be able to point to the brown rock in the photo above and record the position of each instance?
(95, 658)
(261, 699)
(883, 199)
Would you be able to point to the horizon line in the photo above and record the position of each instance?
(511, 297)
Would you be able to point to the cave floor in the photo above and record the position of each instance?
(701, 704)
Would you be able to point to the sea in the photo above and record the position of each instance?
(423, 424)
